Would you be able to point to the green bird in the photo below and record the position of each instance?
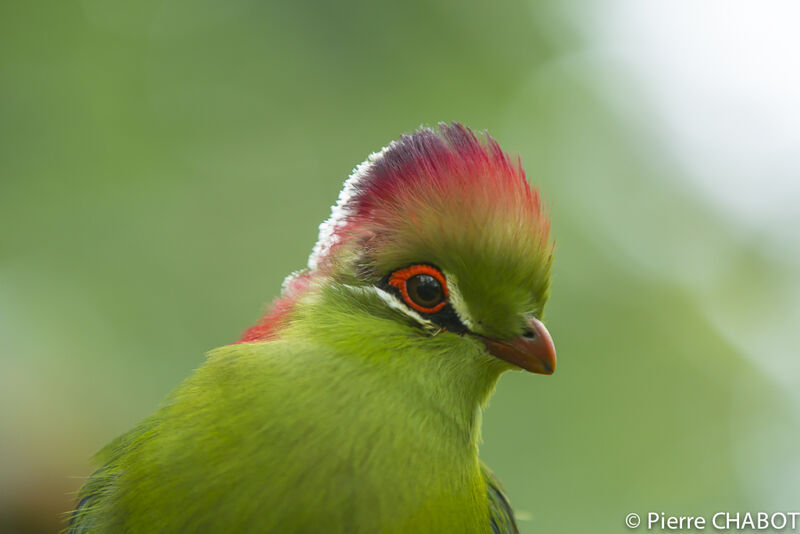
(354, 405)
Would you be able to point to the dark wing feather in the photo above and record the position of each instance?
(501, 516)
(85, 518)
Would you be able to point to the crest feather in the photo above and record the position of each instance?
(451, 162)
(424, 194)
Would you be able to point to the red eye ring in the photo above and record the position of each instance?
(399, 279)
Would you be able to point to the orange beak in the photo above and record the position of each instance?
(534, 351)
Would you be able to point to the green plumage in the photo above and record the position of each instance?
(354, 418)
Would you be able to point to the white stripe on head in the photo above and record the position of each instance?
(457, 301)
(341, 211)
(394, 303)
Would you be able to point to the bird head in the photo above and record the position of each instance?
(441, 241)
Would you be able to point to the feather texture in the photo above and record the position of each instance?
(343, 410)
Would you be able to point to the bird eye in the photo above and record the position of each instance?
(424, 290)
(422, 287)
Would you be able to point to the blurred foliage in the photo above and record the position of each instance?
(163, 165)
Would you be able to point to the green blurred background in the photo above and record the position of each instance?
(164, 164)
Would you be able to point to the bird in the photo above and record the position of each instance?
(355, 403)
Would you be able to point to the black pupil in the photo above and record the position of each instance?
(425, 290)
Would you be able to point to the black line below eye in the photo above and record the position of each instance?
(448, 319)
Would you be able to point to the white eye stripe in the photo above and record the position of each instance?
(457, 301)
(393, 302)
(396, 304)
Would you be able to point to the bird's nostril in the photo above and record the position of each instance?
(529, 334)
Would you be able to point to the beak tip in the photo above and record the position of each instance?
(543, 366)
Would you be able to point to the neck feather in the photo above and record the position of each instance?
(446, 377)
